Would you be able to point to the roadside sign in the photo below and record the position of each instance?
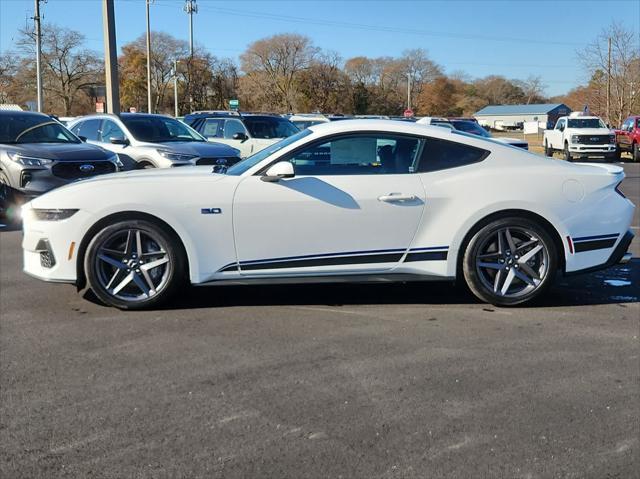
(408, 113)
(99, 107)
(234, 104)
(133, 109)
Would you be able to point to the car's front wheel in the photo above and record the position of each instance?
(134, 264)
(510, 261)
(566, 153)
(636, 152)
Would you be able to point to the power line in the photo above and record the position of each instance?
(376, 28)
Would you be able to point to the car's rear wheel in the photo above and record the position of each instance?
(510, 261)
(9, 204)
(547, 150)
(134, 264)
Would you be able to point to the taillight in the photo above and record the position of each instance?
(619, 191)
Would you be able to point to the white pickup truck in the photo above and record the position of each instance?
(580, 137)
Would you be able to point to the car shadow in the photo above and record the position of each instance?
(613, 286)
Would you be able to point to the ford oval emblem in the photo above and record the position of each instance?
(87, 168)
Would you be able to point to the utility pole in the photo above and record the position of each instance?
(175, 86)
(36, 19)
(110, 57)
(609, 83)
(190, 7)
(149, 103)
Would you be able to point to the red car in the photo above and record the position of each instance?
(628, 137)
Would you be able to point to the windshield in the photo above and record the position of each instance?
(33, 129)
(248, 163)
(160, 129)
(470, 127)
(268, 127)
(586, 123)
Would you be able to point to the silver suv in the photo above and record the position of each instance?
(152, 141)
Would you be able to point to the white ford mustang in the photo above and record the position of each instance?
(360, 200)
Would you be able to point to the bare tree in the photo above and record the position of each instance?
(276, 62)
(624, 74)
(68, 67)
(533, 88)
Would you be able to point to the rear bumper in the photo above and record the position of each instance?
(618, 256)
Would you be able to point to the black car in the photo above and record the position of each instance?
(38, 154)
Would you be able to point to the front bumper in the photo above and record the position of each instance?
(594, 150)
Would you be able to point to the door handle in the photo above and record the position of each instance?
(396, 197)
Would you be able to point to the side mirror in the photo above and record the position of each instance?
(118, 140)
(83, 138)
(240, 136)
(282, 169)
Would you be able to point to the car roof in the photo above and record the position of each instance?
(22, 113)
(391, 126)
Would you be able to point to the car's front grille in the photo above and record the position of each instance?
(73, 170)
(221, 161)
(593, 139)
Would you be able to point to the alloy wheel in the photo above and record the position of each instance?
(132, 265)
(512, 262)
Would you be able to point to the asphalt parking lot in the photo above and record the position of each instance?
(389, 381)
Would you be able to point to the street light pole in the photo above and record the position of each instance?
(190, 7)
(175, 86)
(408, 91)
(149, 104)
(36, 19)
(110, 57)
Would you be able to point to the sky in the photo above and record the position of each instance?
(513, 38)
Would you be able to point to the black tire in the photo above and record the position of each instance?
(9, 202)
(617, 156)
(548, 151)
(611, 157)
(635, 152)
(565, 153)
(160, 244)
(488, 288)
(146, 165)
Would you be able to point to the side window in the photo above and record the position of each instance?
(231, 127)
(366, 154)
(76, 129)
(111, 130)
(442, 154)
(89, 129)
(212, 128)
(560, 125)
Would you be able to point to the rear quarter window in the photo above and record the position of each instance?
(440, 154)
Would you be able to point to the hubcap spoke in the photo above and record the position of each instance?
(510, 242)
(497, 280)
(123, 283)
(529, 270)
(128, 247)
(525, 245)
(526, 257)
(491, 265)
(523, 277)
(140, 284)
(154, 264)
(507, 282)
(112, 262)
(139, 243)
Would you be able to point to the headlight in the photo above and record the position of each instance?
(52, 214)
(575, 139)
(612, 139)
(28, 160)
(171, 156)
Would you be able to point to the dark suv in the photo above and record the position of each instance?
(38, 154)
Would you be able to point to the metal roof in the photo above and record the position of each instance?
(534, 109)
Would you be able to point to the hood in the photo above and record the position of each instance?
(591, 131)
(163, 177)
(203, 149)
(62, 151)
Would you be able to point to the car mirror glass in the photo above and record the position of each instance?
(118, 140)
